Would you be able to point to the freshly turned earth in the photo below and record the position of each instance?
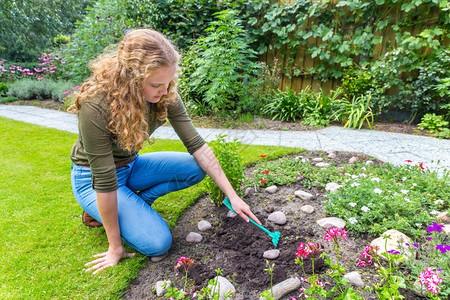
(237, 247)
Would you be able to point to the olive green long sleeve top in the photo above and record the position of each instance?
(97, 147)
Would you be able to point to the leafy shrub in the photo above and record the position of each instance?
(286, 105)
(3, 89)
(357, 82)
(7, 99)
(317, 110)
(222, 66)
(231, 162)
(436, 125)
(29, 89)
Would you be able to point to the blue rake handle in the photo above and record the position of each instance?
(274, 235)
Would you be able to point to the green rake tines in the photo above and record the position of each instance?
(274, 235)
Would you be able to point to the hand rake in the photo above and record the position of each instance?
(274, 235)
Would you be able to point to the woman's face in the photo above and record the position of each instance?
(157, 83)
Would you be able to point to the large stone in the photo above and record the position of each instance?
(204, 225)
(352, 160)
(332, 155)
(354, 278)
(272, 189)
(223, 286)
(322, 165)
(443, 217)
(446, 228)
(307, 209)
(161, 287)
(285, 287)
(277, 217)
(271, 254)
(332, 187)
(303, 195)
(194, 237)
(331, 222)
(395, 241)
(249, 192)
(317, 159)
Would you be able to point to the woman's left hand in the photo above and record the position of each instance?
(243, 209)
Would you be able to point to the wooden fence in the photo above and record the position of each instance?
(304, 61)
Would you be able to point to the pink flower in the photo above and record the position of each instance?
(366, 256)
(184, 262)
(431, 279)
(303, 250)
(334, 234)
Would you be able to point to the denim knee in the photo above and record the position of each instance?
(154, 247)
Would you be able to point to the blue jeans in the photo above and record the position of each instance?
(141, 182)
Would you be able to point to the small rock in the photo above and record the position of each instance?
(271, 254)
(162, 286)
(332, 155)
(331, 222)
(443, 217)
(277, 217)
(332, 187)
(204, 225)
(194, 237)
(369, 162)
(272, 189)
(354, 278)
(224, 287)
(305, 160)
(307, 209)
(285, 287)
(249, 192)
(317, 159)
(231, 214)
(396, 241)
(303, 195)
(269, 209)
(159, 257)
(330, 151)
(352, 160)
(446, 228)
(322, 165)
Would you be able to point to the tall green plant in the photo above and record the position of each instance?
(286, 105)
(222, 66)
(231, 162)
(355, 112)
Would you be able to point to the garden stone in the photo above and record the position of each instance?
(395, 242)
(277, 217)
(322, 165)
(330, 151)
(161, 287)
(231, 214)
(271, 254)
(284, 287)
(331, 222)
(305, 160)
(224, 287)
(443, 217)
(369, 162)
(446, 228)
(303, 195)
(194, 237)
(249, 192)
(272, 189)
(159, 257)
(332, 187)
(352, 160)
(204, 225)
(307, 209)
(269, 209)
(332, 155)
(317, 159)
(354, 278)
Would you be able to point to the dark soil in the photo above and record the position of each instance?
(237, 247)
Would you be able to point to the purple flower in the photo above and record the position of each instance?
(435, 227)
(394, 252)
(443, 248)
(429, 238)
(416, 245)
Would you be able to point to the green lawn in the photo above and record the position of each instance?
(44, 244)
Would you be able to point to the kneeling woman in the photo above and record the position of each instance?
(129, 95)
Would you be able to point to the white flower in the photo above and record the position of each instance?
(375, 179)
(352, 204)
(404, 191)
(434, 212)
(363, 168)
(407, 200)
(352, 220)
(404, 178)
(377, 191)
(362, 175)
(354, 184)
(439, 201)
(418, 225)
(354, 176)
(365, 209)
(414, 184)
(348, 174)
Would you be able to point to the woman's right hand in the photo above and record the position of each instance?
(107, 259)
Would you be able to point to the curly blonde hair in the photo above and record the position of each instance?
(118, 78)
